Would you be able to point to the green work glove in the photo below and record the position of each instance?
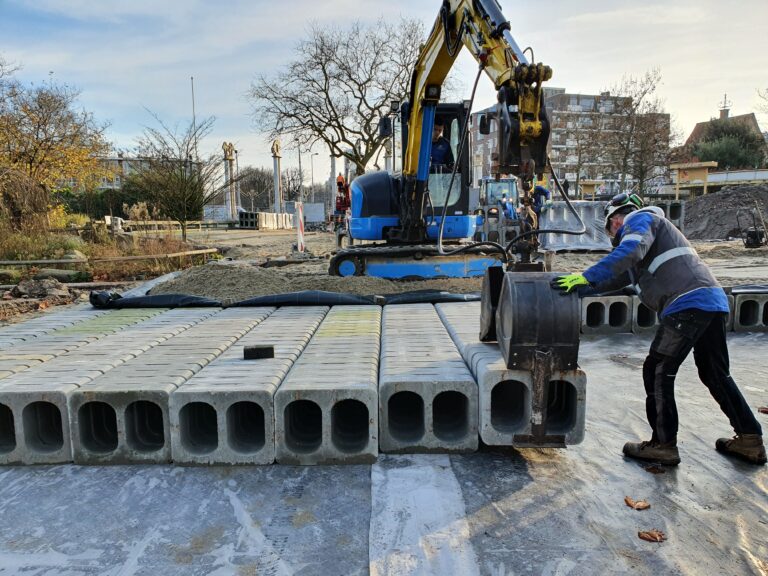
(569, 283)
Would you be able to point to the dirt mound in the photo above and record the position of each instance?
(234, 282)
(713, 216)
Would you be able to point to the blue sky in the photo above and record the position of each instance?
(129, 56)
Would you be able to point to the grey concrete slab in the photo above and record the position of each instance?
(606, 314)
(505, 401)
(427, 395)
(47, 323)
(750, 313)
(326, 409)
(45, 385)
(122, 417)
(225, 413)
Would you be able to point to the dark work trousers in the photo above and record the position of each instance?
(678, 333)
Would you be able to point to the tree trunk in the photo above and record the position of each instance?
(183, 230)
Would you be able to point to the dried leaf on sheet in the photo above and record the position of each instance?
(654, 469)
(763, 409)
(636, 504)
(652, 535)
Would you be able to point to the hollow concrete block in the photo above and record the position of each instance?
(643, 318)
(505, 407)
(606, 314)
(123, 416)
(225, 413)
(427, 395)
(326, 409)
(750, 313)
(34, 427)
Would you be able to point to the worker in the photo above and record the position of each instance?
(507, 208)
(541, 201)
(441, 159)
(671, 279)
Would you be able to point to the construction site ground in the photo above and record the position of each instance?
(498, 511)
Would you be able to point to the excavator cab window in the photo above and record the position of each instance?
(445, 150)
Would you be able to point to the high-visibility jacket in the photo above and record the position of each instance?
(665, 270)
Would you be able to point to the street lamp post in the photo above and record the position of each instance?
(312, 173)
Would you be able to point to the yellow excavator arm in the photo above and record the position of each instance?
(481, 27)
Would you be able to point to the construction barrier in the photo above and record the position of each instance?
(265, 221)
(559, 216)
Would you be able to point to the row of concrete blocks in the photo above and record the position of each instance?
(616, 314)
(343, 384)
(272, 221)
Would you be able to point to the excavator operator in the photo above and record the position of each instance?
(442, 155)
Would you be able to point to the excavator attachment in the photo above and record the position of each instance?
(537, 329)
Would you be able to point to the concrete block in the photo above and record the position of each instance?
(33, 426)
(427, 395)
(225, 413)
(37, 398)
(606, 314)
(751, 313)
(643, 318)
(133, 398)
(326, 409)
(504, 396)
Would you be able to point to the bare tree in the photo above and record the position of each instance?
(6, 69)
(172, 174)
(636, 141)
(340, 84)
(583, 136)
(256, 187)
(763, 94)
(292, 182)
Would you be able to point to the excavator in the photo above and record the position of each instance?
(420, 220)
(536, 329)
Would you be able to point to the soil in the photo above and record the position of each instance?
(714, 216)
(244, 278)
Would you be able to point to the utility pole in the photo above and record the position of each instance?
(301, 177)
(194, 122)
(312, 173)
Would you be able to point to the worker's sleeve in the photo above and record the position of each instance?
(637, 236)
(613, 284)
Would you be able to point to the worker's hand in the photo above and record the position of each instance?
(569, 283)
(547, 205)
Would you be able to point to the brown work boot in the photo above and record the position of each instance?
(748, 447)
(666, 454)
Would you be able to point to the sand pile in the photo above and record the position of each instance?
(233, 282)
(713, 216)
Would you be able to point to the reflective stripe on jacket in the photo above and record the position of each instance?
(659, 261)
